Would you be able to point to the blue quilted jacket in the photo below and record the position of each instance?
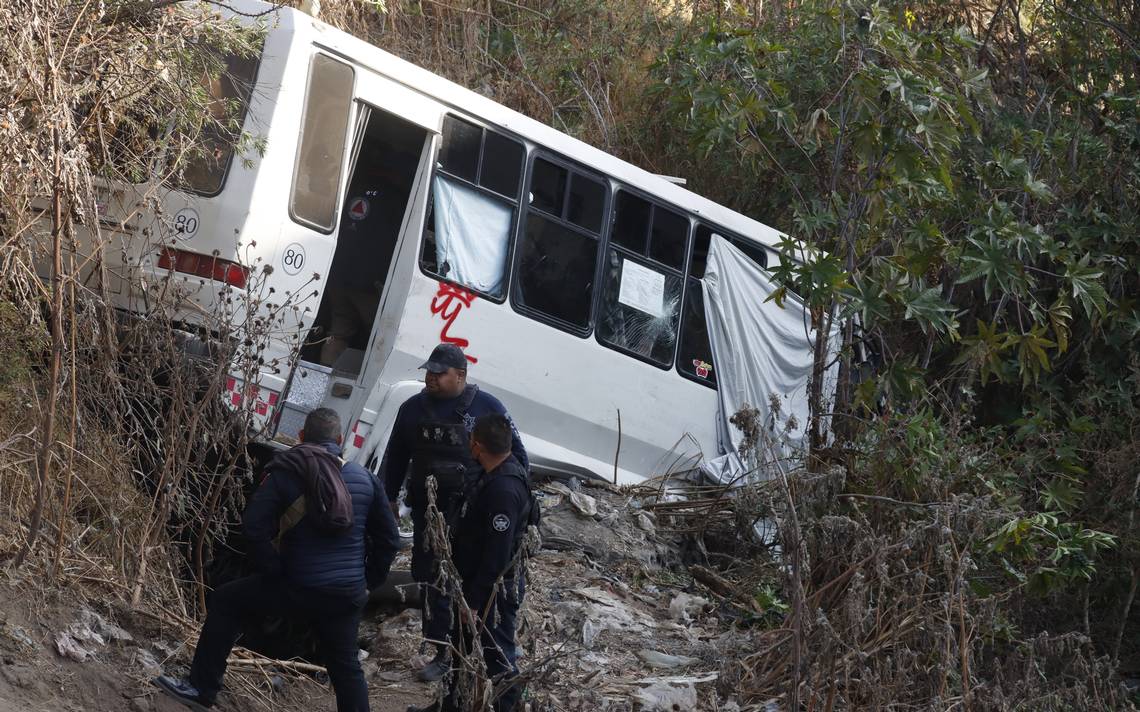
(308, 558)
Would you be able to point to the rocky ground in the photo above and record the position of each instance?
(611, 622)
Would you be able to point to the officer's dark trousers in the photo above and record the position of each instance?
(335, 618)
(500, 650)
(435, 605)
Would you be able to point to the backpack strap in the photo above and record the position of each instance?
(294, 513)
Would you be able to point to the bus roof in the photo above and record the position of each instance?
(448, 92)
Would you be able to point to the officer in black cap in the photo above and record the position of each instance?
(432, 433)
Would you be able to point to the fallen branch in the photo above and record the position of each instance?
(725, 588)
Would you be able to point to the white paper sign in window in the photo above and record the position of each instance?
(642, 288)
(472, 233)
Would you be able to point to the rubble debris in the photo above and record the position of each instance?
(557, 488)
(586, 505)
(645, 522)
(603, 611)
(18, 634)
(68, 647)
(607, 539)
(685, 607)
(667, 697)
(726, 589)
(145, 661)
(86, 635)
(658, 659)
(666, 694)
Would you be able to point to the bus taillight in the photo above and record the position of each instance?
(206, 266)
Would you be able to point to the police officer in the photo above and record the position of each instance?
(486, 542)
(432, 432)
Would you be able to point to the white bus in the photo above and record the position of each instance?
(570, 278)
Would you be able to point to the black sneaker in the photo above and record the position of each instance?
(183, 691)
(438, 667)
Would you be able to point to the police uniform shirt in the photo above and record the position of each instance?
(404, 431)
(488, 529)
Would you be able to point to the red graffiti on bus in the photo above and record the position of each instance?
(447, 303)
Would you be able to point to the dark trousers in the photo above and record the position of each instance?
(434, 603)
(499, 648)
(335, 618)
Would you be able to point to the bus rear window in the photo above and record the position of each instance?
(320, 155)
(229, 90)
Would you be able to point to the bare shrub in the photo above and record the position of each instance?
(124, 454)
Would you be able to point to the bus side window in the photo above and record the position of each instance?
(641, 297)
(474, 198)
(558, 246)
(694, 355)
(320, 155)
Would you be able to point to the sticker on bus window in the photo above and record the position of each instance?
(642, 288)
(702, 368)
(358, 209)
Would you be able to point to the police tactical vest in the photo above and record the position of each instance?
(442, 449)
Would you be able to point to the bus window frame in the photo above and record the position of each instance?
(601, 237)
(346, 151)
(646, 260)
(730, 235)
(231, 149)
(513, 232)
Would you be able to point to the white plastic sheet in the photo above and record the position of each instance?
(472, 232)
(762, 355)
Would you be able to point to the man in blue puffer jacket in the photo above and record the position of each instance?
(303, 572)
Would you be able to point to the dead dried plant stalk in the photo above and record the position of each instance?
(86, 98)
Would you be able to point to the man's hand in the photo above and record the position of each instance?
(466, 616)
(395, 506)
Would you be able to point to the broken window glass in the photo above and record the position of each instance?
(640, 307)
(475, 190)
(641, 300)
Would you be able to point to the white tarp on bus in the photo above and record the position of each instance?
(762, 355)
(472, 233)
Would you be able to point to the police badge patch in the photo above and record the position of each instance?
(501, 522)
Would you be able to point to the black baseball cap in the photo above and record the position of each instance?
(445, 356)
